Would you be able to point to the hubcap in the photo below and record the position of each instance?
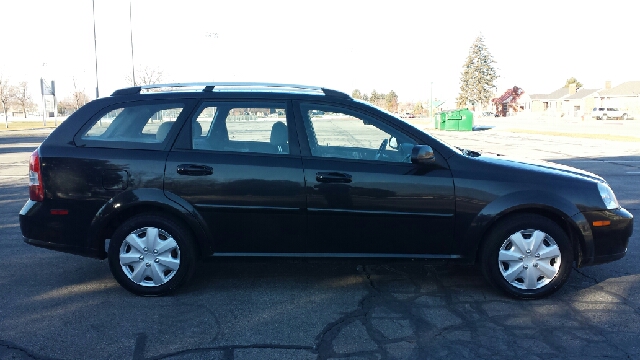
(529, 259)
(149, 267)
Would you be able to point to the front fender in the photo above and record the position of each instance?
(128, 203)
(541, 202)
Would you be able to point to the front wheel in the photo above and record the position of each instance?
(527, 256)
(151, 255)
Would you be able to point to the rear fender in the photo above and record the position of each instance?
(129, 203)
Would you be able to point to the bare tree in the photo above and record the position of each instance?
(23, 98)
(145, 76)
(66, 106)
(79, 97)
(70, 104)
(7, 96)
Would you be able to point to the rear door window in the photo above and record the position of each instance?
(257, 127)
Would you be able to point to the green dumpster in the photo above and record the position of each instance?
(453, 119)
(466, 123)
(443, 118)
(458, 120)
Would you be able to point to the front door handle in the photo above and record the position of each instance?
(194, 170)
(333, 177)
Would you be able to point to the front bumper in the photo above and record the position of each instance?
(605, 243)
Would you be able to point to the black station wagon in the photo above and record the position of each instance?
(155, 177)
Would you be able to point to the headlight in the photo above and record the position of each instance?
(608, 197)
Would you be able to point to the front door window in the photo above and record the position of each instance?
(341, 133)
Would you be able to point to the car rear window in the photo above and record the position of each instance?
(144, 126)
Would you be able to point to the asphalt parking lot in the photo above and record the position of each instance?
(60, 306)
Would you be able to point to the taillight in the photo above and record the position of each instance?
(36, 187)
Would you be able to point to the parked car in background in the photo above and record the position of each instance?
(603, 113)
(153, 179)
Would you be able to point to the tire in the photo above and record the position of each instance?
(151, 255)
(534, 274)
(624, 117)
(604, 117)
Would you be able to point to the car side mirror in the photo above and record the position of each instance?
(422, 154)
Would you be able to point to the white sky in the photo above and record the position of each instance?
(384, 45)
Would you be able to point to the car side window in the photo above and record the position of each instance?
(142, 126)
(259, 127)
(343, 133)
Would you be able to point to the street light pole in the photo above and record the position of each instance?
(431, 101)
(133, 64)
(211, 35)
(95, 46)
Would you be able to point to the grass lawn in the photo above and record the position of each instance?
(26, 125)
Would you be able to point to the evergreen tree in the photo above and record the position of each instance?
(356, 94)
(375, 97)
(418, 109)
(573, 81)
(478, 76)
(391, 101)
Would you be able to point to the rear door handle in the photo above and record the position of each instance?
(333, 177)
(194, 170)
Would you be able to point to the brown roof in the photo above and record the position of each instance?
(538, 96)
(556, 95)
(629, 88)
(559, 94)
(581, 94)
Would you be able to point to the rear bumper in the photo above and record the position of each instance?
(605, 243)
(40, 228)
(93, 253)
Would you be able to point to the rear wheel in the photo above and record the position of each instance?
(527, 256)
(151, 255)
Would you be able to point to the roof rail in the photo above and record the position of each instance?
(209, 86)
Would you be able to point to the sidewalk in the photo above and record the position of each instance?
(566, 125)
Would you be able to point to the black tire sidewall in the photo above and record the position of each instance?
(511, 225)
(179, 234)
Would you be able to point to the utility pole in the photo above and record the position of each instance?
(95, 46)
(133, 64)
(431, 101)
